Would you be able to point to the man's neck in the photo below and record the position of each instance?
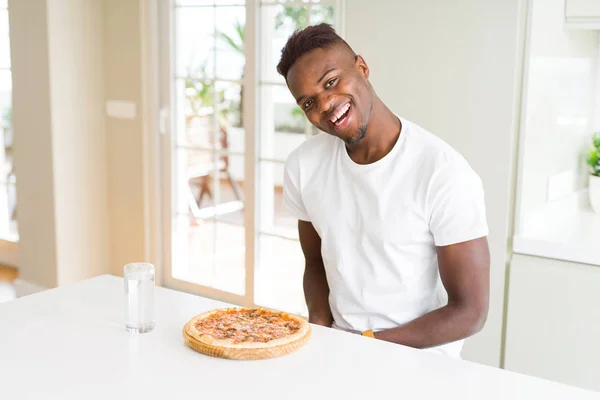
(382, 134)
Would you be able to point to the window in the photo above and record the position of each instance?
(8, 202)
(234, 123)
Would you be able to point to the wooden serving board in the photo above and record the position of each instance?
(245, 354)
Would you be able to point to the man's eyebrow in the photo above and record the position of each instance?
(325, 74)
(302, 97)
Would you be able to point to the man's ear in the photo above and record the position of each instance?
(362, 66)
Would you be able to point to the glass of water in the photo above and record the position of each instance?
(139, 297)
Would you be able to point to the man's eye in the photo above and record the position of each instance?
(308, 104)
(330, 82)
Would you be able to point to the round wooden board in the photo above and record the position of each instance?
(245, 354)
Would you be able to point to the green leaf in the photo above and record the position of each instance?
(593, 158)
(237, 43)
(297, 15)
(239, 28)
(231, 42)
(596, 140)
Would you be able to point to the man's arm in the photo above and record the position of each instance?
(316, 289)
(464, 270)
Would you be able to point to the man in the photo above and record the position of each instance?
(391, 219)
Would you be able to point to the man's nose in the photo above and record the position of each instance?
(326, 102)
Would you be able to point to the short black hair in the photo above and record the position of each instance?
(321, 36)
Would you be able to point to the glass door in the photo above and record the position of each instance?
(232, 124)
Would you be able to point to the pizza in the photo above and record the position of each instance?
(246, 333)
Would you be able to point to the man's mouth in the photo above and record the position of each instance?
(340, 115)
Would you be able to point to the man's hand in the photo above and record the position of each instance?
(316, 289)
(464, 270)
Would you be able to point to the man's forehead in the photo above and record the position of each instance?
(316, 62)
(318, 59)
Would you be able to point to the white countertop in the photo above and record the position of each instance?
(566, 229)
(70, 343)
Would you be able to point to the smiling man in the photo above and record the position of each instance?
(391, 219)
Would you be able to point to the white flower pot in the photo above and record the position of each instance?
(595, 193)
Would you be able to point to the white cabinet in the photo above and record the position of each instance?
(582, 14)
(553, 321)
(582, 8)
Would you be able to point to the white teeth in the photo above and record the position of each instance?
(341, 112)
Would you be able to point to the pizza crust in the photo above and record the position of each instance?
(226, 348)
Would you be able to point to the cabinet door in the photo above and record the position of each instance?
(583, 8)
(553, 324)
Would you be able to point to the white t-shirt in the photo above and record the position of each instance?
(380, 224)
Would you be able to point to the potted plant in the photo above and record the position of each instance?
(593, 160)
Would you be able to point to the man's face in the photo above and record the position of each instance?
(331, 86)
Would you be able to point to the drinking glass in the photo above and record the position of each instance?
(139, 297)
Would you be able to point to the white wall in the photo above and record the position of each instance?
(82, 177)
(560, 93)
(33, 141)
(60, 157)
(125, 142)
(78, 141)
(452, 67)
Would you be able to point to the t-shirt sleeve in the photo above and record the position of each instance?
(456, 204)
(292, 196)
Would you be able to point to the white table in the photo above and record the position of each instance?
(70, 343)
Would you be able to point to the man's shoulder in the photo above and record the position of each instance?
(430, 148)
(303, 162)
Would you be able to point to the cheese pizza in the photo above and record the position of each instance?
(246, 333)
